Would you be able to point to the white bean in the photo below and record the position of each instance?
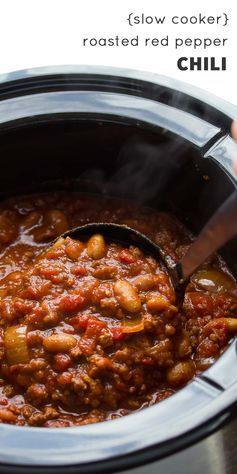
(61, 342)
(144, 282)
(96, 247)
(127, 296)
(180, 373)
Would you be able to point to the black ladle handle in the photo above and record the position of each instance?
(219, 229)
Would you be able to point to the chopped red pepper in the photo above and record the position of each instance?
(80, 321)
(117, 333)
(71, 302)
(215, 325)
(78, 270)
(207, 349)
(198, 304)
(126, 257)
(89, 340)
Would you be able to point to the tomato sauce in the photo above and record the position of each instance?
(91, 330)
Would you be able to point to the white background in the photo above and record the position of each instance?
(49, 32)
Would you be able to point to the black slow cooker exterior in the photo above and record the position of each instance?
(144, 137)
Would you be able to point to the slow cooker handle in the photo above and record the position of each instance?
(224, 152)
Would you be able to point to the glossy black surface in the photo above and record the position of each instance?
(162, 89)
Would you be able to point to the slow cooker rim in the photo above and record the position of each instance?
(141, 110)
(132, 77)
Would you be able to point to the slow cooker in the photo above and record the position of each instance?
(159, 142)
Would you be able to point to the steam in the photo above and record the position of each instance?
(144, 169)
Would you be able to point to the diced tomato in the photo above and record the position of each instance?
(87, 345)
(35, 291)
(36, 317)
(78, 270)
(222, 303)
(89, 340)
(80, 321)
(75, 321)
(23, 307)
(219, 329)
(207, 349)
(54, 253)
(126, 257)
(83, 320)
(198, 304)
(94, 326)
(214, 326)
(71, 302)
(117, 333)
(48, 272)
(204, 304)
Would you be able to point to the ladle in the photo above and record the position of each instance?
(221, 227)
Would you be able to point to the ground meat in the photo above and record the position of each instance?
(92, 330)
